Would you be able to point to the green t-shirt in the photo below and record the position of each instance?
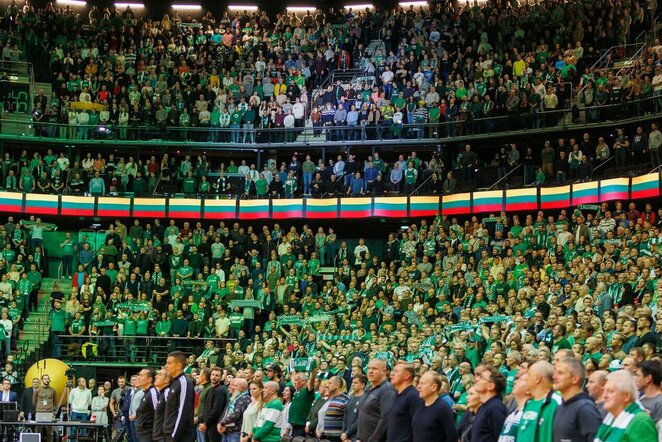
(300, 406)
(58, 320)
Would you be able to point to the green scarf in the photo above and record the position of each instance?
(641, 426)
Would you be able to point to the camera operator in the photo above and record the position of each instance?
(117, 399)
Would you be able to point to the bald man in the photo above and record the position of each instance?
(537, 420)
(596, 388)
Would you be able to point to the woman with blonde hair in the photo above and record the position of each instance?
(253, 410)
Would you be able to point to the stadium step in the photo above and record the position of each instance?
(36, 328)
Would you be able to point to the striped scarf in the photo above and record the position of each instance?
(612, 429)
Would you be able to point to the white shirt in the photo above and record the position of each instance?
(80, 400)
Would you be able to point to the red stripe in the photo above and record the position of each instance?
(613, 196)
(253, 215)
(554, 204)
(113, 212)
(651, 193)
(219, 215)
(489, 207)
(12, 208)
(322, 215)
(422, 212)
(521, 206)
(584, 200)
(148, 213)
(392, 213)
(346, 213)
(42, 210)
(184, 214)
(77, 212)
(288, 214)
(455, 211)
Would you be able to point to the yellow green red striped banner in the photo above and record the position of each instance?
(422, 206)
(457, 204)
(392, 207)
(11, 202)
(322, 208)
(522, 199)
(585, 193)
(221, 209)
(37, 204)
(184, 208)
(555, 197)
(113, 207)
(488, 201)
(355, 207)
(614, 189)
(253, 209)
(287, 208)
(646, 186)
(76, 206)
(149, 207)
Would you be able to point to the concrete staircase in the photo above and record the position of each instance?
(32, 338)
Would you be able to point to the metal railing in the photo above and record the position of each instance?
(459, 128)
(129, 349)
(513, 170)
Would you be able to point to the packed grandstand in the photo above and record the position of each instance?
(525, 311)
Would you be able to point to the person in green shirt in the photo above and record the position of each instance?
(185, 272)
(236, 322)
(77, 327)
(67, 247)
(537, 420)
(265, 429)
(59, 319)
(189, 184)
(261, 186)
(302, 401)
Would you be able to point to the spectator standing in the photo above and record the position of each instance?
(374, 409)
(79, 400)
(178, 414)
(350, 419)
(627, 420)
(302, 401)
(648, 378)
(488, 420)
(654, 145)
(433, 419)
(577, 418)
(538, 414)
(520, 395)
(232, 419)
(144, 421)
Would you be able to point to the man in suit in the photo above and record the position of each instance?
(580, 230)
(25, 405)
(7, 395)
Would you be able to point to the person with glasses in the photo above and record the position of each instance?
(491, 415)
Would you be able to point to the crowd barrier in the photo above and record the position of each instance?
(217, 208)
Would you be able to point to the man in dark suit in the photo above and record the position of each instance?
(7, 395)
(25, 405)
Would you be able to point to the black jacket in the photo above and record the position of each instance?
(215, 403)
(157, 430)
(145, 412)
(577, 419)
(178, 416)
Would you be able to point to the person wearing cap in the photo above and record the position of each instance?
(627, 420)
(275, 373)
(302, 401)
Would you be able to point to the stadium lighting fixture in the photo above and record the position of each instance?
(413, 3)
(72, 2)
(243, 7)
(130, 5)
(360, 6)
(301, 8)
(186, 7)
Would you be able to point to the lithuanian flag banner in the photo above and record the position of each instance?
(585, 193)
(488, 201)
(36, 204)
(77, 206)
(422, 206)
(288, 208)
(457, 204)
(113, 206)
(614, 189)
(221, 209)
(555, 197)
(182, 208)
(11, 202)
(646, 186)
(326, 208)
(355, 207)
(522, 199)
(253, 209)
(391, 207)
(149, 207)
